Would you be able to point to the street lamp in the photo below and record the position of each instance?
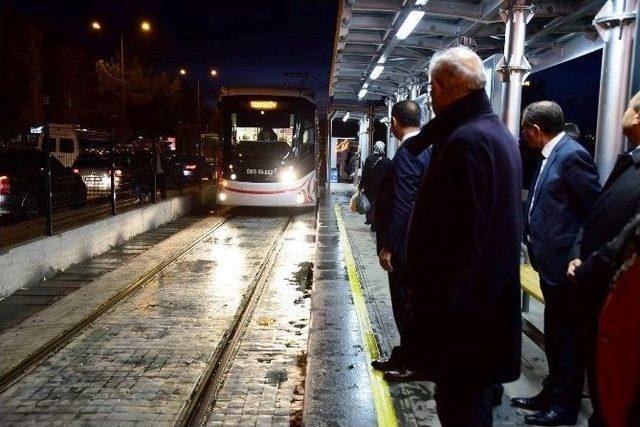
(212, 73)
(145, 26)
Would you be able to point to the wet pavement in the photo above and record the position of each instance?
(265, 383)
(141, 360)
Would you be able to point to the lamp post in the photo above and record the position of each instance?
(213, 73)
(145, 27)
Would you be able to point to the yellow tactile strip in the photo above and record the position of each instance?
(383, 404)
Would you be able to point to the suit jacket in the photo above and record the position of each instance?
(614, 208)
(463, 248)
(566, 189)
(373, 172)
(396, 198)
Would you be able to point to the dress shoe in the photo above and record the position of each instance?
(395, 361)
(385, 365)
(402, 375)
(550, 417)
(535, 403)
(496, 395)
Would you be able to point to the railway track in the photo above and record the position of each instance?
(201, 402)
(197, 405)
(14, 374)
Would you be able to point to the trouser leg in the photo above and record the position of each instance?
(590, 347)
(464, 405)
(566, 372)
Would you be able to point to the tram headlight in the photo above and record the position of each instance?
(222, 196)
(288, 175)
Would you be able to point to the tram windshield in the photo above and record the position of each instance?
(254, 132)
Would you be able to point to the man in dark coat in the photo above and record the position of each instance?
(618, 203)
(463, 246)
(393, 208)
(563, 191)
(374, 170)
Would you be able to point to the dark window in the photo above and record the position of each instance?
(66, 145)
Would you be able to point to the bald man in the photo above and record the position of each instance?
(590, 268)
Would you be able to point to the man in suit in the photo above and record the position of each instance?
(374, 170)
(563, 192)
(463, 246)
(614, 208)
(394, 205)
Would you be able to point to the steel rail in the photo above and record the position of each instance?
(204, 394)
(15, 373)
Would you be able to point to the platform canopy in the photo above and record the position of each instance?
(369, 39)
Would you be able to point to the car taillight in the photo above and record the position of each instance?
(5, 186)
(190, 167)
(75, 171)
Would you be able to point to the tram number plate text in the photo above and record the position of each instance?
(259, 171)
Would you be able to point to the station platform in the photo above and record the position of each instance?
(234, 317)
(408, 403)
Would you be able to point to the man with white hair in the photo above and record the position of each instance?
(463, 246)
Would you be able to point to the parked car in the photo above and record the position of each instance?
(95, 170)
(23, 183)
(193, 167)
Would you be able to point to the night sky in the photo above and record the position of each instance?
(253, 42)
(249, 42)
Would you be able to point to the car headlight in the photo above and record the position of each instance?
(233, 176)
(288, 175)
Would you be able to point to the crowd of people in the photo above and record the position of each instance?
(450, 223)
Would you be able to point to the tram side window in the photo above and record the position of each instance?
(308, 134)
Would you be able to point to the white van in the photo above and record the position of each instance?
(65, 145)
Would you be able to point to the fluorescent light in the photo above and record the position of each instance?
(362, 93)
(365, 86)
(346, 117)
(409, 24)
(377, 70)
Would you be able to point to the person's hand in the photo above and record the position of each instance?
(385, 260)
(571, 270)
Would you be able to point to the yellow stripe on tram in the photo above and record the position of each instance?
(379, 387)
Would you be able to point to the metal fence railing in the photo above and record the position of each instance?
(41, 196)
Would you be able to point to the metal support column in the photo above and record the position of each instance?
(371, 119)
(46, 142)
(616, 23)
(392, 143)
(514, 67)
(414, 91)
(329, 140)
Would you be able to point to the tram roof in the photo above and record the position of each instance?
(365, 32)
(267, 91)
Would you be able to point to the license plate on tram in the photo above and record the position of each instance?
(260, 171)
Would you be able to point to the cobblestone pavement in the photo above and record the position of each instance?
(140, 361)
(414, 400)
(265, 383)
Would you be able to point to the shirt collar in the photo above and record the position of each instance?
(549, 146)
(409, 135)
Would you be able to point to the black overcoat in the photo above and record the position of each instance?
(463, 249)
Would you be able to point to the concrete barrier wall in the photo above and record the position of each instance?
(44, 257)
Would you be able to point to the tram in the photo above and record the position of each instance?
(268, 148)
